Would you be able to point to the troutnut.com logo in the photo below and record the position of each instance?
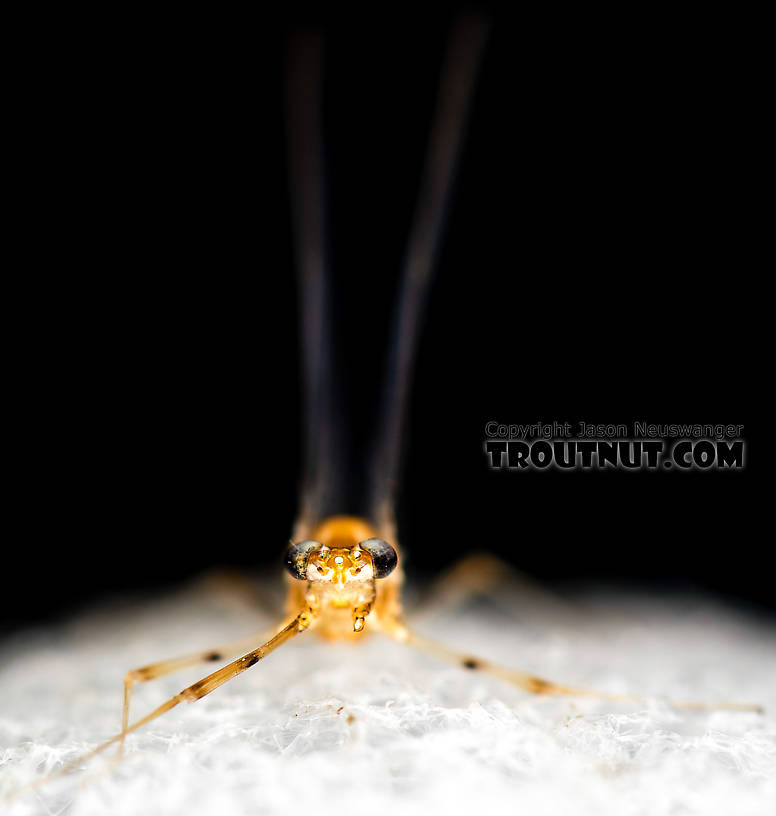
(600, 447)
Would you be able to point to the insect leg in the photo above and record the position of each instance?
(484, 574)
(530, 682)
(235, 589)
(196, 691)
(165, 667)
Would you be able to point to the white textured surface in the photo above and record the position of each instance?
(376, 728)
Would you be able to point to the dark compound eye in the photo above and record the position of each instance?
(297, 555)
(384, 556)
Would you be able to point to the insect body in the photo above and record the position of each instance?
(344, 571)
(335, 576)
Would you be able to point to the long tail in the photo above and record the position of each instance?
(457, 81)
(323, 473)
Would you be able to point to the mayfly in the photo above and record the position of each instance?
(344, 572)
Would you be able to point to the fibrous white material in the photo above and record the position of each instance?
(377, 728)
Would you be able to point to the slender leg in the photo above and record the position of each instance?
(484, 574)
(202, 687)
(165, 667)
(241, 591)
(530, 682)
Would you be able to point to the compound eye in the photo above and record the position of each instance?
(297, 555)
(384, 557)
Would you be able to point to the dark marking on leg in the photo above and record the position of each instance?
(142, 675)
(539, 686)
(212, 656)
(193, 693)
(471, 663)
(251, 661)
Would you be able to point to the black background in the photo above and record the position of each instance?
(594, 268)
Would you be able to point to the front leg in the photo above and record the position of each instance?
(192, 693)
(153, 671)
(397, 629)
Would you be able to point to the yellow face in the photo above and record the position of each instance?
(341, 550)
(339, 565)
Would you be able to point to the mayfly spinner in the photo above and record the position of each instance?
(344, 571)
